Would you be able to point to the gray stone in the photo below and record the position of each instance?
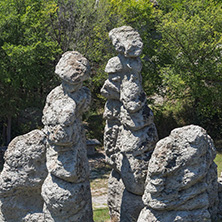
(220, 196)
(136, 121)
(66, 190)
(73, 68)
(130, 134)
(22, 177)
(114, 65)
(68, 163)
(120, 63)
(66, 201)
(112, 110)
(123, 205)
(58, 102)
(181, 183)
(36, 217)
(126, 41)
(111, 88)
(178, 216)
(59, 150)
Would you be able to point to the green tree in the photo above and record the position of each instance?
(189, 57)
(26, 52)
(141, 15)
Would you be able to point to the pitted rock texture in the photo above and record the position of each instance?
(73, 68)
(66, 190)
(126, 41)
(124, 206)
(22, 177)
(181, 183)
(130, 134)
(220, 197)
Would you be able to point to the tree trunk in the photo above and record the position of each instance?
(9, 126)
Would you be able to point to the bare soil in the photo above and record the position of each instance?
(99, 174)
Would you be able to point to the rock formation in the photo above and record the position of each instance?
(220, 197)
(22, 177)
(26, 192)
(66, 190)
(130, 134)
(181, 183)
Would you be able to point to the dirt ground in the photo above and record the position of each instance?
(99, 174)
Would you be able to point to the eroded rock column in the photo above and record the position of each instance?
(181, 182)
(66, 190)
(22, 177)
(130, 134)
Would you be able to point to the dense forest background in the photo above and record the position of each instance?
(182, 69)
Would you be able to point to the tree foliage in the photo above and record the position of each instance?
(141, 15)
(181, 56)
(26, 52)
(190, 53)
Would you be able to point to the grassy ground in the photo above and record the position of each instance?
(218, 161)
(101, 215)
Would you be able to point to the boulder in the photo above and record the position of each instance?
(73, 68)
(181, 183)
(23, 174)
(126, 41)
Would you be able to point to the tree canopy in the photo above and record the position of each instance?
(190, 53)
(181, 57)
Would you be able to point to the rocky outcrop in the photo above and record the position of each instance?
(22, 177)
(130, 134)
(181, 183)
(220, 197)
(66, 190)
(46, 173)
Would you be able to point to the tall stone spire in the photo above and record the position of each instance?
(66, 190)
(130, 134)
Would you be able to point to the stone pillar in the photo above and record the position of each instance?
(66, 190)
(181, 183)
(130, 134)
(220, 197)
(22, 177)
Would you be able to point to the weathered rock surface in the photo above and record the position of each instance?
(73, 68)
(130, 134)
(22, 177)
(123, 205)
(66, 190)
(36, 217)
(126, 41)
(181, 183)
(220, 197)
(66, 202)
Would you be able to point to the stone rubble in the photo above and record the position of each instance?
(66, 190)
(130, 134)
(181, 183)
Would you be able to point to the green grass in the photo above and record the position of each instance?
(218, 161)
(101, 215)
